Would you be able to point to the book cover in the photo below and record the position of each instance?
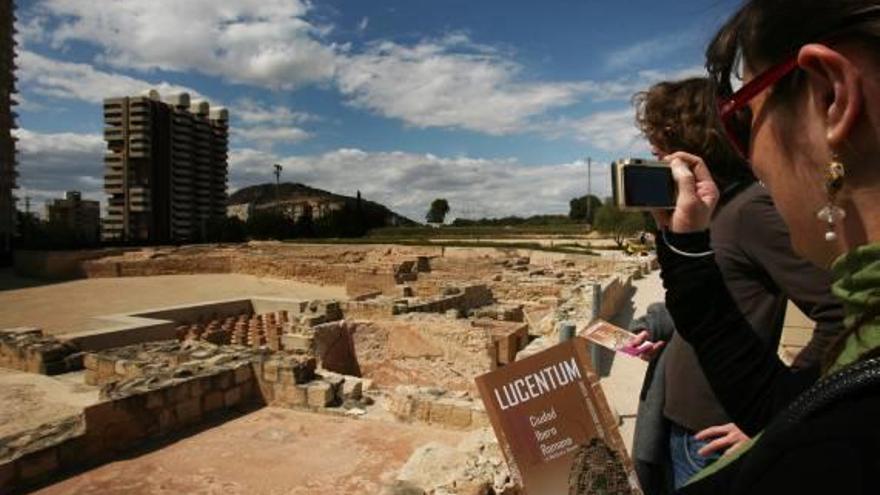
(555, 426)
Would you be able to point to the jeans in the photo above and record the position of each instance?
(686, 462)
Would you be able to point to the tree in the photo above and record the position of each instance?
(578, 208)
(620, 224)
(438, 211)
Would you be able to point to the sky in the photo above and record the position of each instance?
(495, 105)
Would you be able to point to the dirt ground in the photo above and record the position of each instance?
(269, 452)
(28, 400)
(71, 306)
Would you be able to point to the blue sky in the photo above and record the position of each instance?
(492, 104)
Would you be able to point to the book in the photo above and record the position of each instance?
(612, 337)
(554, 425)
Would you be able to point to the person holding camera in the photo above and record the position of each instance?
(753, 251)
(808, 118)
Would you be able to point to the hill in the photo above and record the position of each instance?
(263, 195)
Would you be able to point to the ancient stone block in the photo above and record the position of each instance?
(106, 367)
(320, 394)
(243, 374)
(177, 393)
(155, 399)
(38, 465)
(459, 417)
(352, 388)
(421, 411)
(120, 367)
(7, 475)
(197, 387)
(223, 380)
(212, 401)
(167, 421)
(479, 418)
(189, 411)
(70, 453)
(291, 395)
(232, 397)
(91, 378)
(440, 413)
(90, 361)
(270, 371)
(297, 342)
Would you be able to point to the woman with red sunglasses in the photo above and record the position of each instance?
(808, 119)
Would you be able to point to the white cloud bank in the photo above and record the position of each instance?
(263, 42)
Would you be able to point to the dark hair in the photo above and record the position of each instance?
(681, 116)
(766, 32)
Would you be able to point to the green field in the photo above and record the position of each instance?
(480, 231)
(409, 241)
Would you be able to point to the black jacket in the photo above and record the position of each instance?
(835, 449)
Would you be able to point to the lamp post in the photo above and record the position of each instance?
(589, 191)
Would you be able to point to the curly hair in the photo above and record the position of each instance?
(681, 116)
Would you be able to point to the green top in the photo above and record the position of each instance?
(857, 285)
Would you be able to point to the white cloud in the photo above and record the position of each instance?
(650, 50)
(250, 111)
(49, 77)
(263, 42)
(407, 182)
(613, 131)
(362, 26)
(52, 163)
(273, 135)
(269, 125)
(449, 83)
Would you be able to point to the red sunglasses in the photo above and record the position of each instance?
(734, 111)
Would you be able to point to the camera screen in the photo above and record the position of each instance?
(649, 186)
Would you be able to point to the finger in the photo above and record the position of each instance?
(713, 431)
(685, 182)
(716, 446)
(637, 339)
(650, 354)
(694, 162)
(733, 448)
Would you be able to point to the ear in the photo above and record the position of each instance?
(836, 86)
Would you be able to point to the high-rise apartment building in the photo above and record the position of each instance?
(80, 218)
(7, 124)
(166, 167)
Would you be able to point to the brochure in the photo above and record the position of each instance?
(554, 425)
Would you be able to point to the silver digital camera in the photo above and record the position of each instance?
(638, 184)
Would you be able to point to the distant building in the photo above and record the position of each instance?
(166, 167)
(292, 208)
(80, 217)
(7, 124)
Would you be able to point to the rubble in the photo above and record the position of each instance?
(405, 347)
(475, 466)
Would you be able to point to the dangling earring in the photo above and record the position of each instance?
(831, 213)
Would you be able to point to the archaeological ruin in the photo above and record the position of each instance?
(400, 351)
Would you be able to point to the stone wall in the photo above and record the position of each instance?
(133, 410)
(27, 349)
(57, 265)
(332, 344)
(508, 338)
(156, 389)
(437, 407)
(423, 349)
(459, 299)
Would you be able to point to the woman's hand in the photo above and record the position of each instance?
(647, 350)
(697, 195)
(724, 438)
